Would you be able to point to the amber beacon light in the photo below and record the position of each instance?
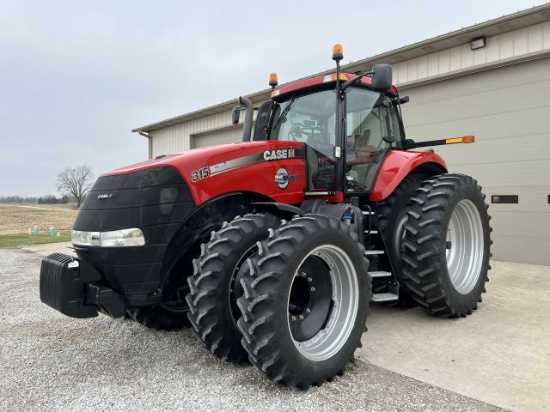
(273, 80)
(337, 52)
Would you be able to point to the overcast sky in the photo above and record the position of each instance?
(77, 76)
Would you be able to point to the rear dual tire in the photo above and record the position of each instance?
(391, 216)
(446, 248)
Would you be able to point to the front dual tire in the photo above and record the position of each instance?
(214, 286)
(305, 301)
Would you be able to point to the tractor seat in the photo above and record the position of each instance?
(364, 153)
(364, 158)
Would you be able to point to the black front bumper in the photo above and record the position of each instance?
(72, 287)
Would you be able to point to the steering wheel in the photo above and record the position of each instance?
(296, 134)
(352, 183)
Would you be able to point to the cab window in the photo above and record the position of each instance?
(311, 119)
(368, 122)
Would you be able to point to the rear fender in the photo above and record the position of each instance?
(398, 164)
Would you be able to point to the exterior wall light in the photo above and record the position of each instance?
(478, 43)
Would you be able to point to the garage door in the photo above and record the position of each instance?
(217, 137)
(508, 110)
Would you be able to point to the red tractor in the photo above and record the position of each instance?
(273, 247)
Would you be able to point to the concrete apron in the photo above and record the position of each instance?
(499, 355)
(49, 248)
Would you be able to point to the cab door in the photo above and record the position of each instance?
(372, 127)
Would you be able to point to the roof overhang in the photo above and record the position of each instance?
(521, 19)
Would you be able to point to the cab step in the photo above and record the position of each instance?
(379, 274)
(374, 252)
(384, 297)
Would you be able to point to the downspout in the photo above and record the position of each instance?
(150, 142)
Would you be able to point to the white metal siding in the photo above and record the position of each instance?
(522, 44)
(185, 136)
(216, 137)
(177, 138)
(508, 110)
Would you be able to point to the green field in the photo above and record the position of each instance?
(17, 241)
(17, 221)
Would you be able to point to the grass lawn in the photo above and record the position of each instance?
(16, 241)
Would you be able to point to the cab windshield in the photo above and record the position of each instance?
(308, 119)
(311, 119)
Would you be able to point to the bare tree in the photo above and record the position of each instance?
(75, 180)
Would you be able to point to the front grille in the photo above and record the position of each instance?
(151, 197)
(157, 201)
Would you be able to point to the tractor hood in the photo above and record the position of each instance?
(236, 167)
(188, 156)
(158, 196)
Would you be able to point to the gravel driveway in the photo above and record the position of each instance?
(55, 363)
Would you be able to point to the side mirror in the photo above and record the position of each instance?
(235, 115)
(400, 100)
(381, 77)
(409, 143)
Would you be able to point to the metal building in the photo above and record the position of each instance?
(491, 80)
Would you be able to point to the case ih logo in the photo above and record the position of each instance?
(279, 154)
(103, 196)
(282, 178)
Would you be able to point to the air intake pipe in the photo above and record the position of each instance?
(248, 117)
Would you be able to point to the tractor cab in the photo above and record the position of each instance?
(347, 124)
(352, 145)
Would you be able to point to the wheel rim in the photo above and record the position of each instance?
(177, 302)
(333, 303)
(399, 233)
(464, 246)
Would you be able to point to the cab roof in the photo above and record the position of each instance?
(303, 85)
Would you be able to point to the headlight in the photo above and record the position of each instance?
(115, 238)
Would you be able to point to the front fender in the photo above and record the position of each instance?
(400, 163)
(185, 244)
